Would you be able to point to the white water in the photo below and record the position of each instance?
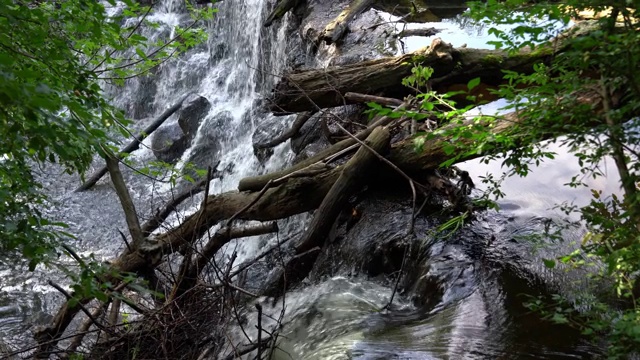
(230, 70)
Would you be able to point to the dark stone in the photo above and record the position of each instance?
(206, 150)
(311, 150)
(193, 111)
(169, 143)
(267, 130)
(204, 154)
(310, 133)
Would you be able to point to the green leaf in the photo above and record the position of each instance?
(549, 263)
(473, 83)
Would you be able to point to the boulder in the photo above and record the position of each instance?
(194, 110)
(265, 131)
(206, 149)
(169, 143)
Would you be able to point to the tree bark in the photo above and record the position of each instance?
(353, 174)
(336, 29)
(125, 200)
(279, 11)
(308, 89)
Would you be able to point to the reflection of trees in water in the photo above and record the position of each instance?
(470, 26)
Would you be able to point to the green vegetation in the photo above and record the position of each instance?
(587, 99)
(54, 57)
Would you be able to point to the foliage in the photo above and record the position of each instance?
(601, 62)
(54, 58)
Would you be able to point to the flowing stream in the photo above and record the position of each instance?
(472, 311)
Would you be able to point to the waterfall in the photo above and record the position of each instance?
(229, 70)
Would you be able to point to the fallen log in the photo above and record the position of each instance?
(133, 145)
(279, 11)
(308, 89)
(354, 172)
(258, 182)
(336, 29)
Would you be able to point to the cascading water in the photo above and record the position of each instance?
(228, 71)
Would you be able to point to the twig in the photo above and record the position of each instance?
(124, 238)
(84, 327)
(259, 308)
(295, 128)
(74, 255)
(395, 287)
(82, 307)
(152, 224)
(242, 350)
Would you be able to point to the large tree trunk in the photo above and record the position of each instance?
(308, 89)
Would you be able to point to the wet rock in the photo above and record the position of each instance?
(310, 133)
(205, 151)
(361, 42)
(360, 244)
(267, 130)
(169, 143)
(144, 105)
(311, 150)
(193, 111)
(221, 120)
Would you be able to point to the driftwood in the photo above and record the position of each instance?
(309, 89)
(353, 174)
(301, 119)
(133, 145)
(282, 7)
(336, 29)
(258, 182)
